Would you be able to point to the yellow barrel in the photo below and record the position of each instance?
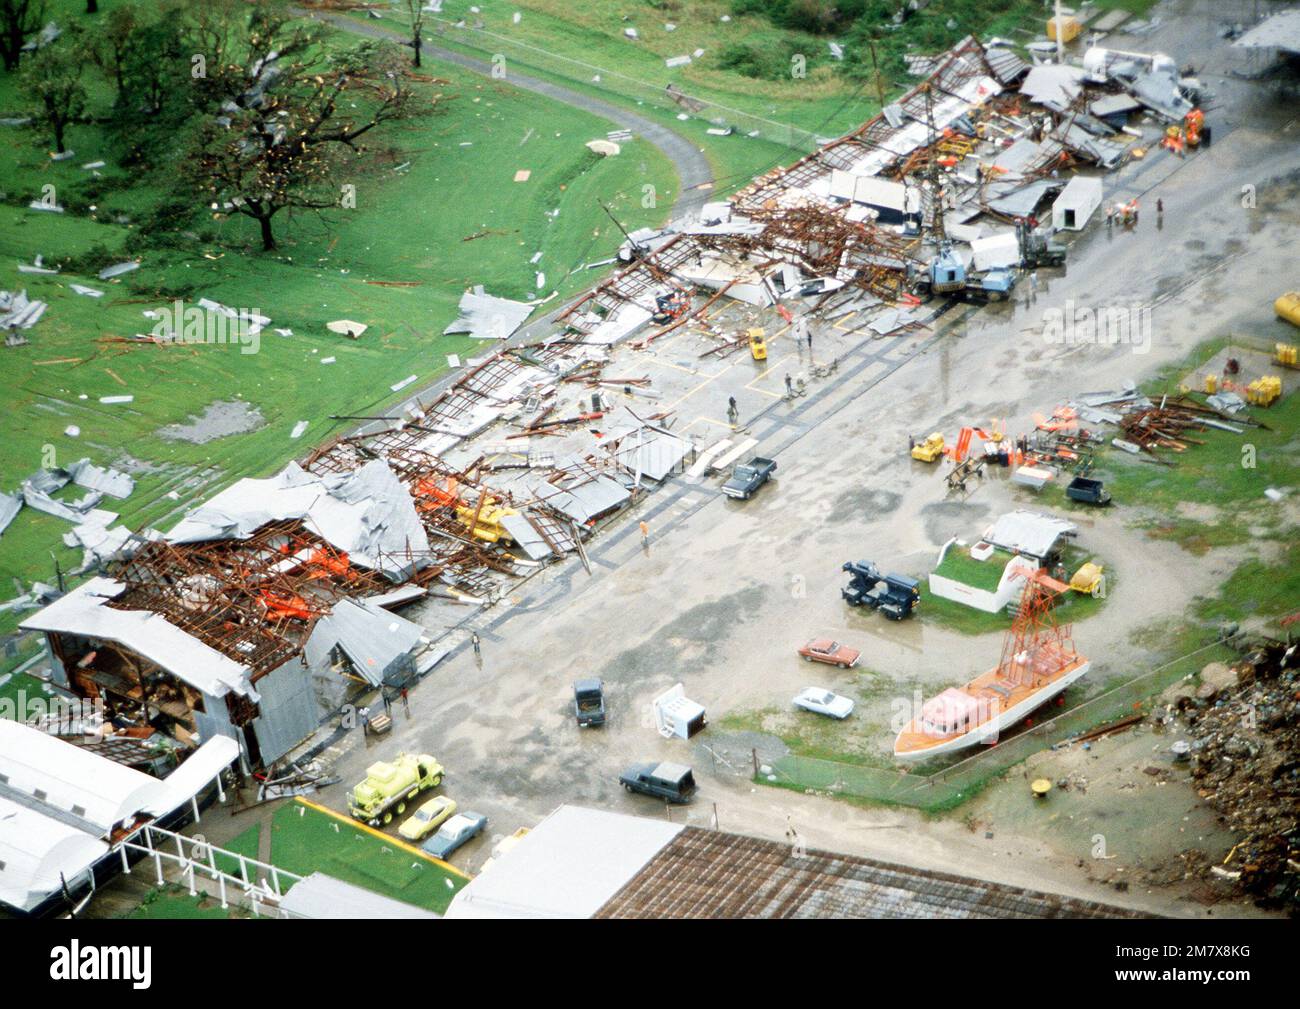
(1288, 307)
(1211, 385)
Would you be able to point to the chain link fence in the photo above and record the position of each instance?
(947, 788)
(508, 53)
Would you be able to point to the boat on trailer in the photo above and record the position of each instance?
(1038, 663)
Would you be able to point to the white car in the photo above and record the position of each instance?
(820, 701)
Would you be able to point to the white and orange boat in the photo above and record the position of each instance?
(1038, 662)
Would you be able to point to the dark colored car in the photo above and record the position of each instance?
(589, 702)
(673, 782)
(748, 477)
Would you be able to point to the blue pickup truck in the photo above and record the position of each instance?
(748, 477)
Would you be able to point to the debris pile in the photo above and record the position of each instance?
(1246, 762)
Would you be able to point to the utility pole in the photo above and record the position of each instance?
(875, 71)
(636, 248)
(1060, 43)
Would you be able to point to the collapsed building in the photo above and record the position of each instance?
(263, 610)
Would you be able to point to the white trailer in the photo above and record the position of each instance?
(1076, 204)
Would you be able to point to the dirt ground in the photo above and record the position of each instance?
(726, 590)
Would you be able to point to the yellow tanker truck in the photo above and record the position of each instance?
(390, 784)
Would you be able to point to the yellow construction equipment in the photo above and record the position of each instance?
(1087, 580)
(1264, 391)
(758, 344)
(483, 520)
(1288, 307)
(930, 449)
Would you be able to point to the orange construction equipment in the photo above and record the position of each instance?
(1192, 124)
(293, 607)
(327, 563)
(1173, 139)
(432, 493)
(962, 447)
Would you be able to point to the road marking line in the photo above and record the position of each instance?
(397, 842)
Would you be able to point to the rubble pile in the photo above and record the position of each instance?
(1246, 762)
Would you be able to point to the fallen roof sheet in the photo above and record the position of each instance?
(1006, 64)
(585, 501)
(72, 511)
(112, 482)
(651, 453)
(375, 640)
(486, 317)
(1079, 140)
(368, 514)
(1114, 105)
(526, 530)
(17, 311)
(1022, 201)
(1054, 85)
(1159, 92)
(10, 506)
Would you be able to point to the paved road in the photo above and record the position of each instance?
(694, 175)
(725, 591)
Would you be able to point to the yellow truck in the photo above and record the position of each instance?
(930, 449)
(390, 784)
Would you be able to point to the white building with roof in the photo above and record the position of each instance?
(62, 807)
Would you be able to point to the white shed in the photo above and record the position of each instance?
(1076, 204)
(677, 715)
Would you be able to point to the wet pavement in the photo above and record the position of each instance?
(725, 591)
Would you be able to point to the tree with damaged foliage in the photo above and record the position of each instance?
(52, 81)
(112, 47)
(18, 19)
(291, 120)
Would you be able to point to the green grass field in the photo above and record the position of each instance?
(174, 902)
(960, 566)
(409, 226)
(305, 840)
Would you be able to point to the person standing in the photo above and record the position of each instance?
(478, 648)
(365, 721)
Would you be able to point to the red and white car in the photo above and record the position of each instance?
(831, 652)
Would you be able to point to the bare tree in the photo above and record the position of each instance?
(415, 15)
(18, 19)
